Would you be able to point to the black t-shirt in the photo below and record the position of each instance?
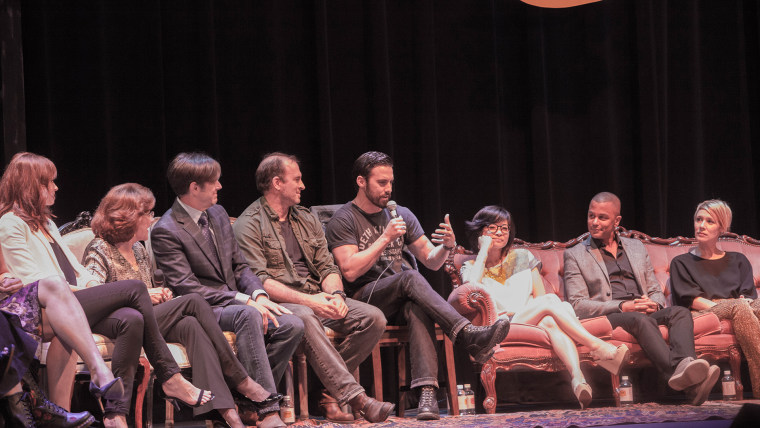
(352, 226)
(725, 278)
(293, 249)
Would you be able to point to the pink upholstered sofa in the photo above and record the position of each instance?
(527, 347)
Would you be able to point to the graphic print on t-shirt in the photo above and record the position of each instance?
(392, 252)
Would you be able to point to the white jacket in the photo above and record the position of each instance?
(30, 256)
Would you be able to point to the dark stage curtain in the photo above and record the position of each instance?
(479, 102)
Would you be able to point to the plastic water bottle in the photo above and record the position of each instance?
(626, 392)
(729, 386)
(462, 400)
(287, 411)
(470, 399)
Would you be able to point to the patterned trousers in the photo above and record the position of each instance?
(743, 315)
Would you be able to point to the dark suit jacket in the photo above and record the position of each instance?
(184, 255)
(587, 283)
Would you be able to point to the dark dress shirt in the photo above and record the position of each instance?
(622, 281)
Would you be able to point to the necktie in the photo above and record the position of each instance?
(203, 223)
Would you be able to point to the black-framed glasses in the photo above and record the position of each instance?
(492, 228)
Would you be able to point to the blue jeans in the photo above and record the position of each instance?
(408, 294)
(363, 325)
(264, 357)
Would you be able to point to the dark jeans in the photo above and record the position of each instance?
(363, 326)
(408, 294)
(644, 328)
(264, 357)
(123, 312)
(189, 320)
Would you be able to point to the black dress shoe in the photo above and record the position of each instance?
(427, 410)
(246, 403)
(479, 341)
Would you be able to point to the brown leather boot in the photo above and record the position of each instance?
(372, 410)
(331, 409)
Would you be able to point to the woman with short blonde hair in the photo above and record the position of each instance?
(708, 279)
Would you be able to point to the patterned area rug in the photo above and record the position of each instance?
(643, 413)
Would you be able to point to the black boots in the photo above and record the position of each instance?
(479, 341)
(427, 410)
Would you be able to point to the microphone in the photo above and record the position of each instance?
(158, 278)
(392, 208)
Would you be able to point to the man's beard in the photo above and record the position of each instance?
(377, 200)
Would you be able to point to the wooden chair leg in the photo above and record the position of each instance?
(169, 422)
(303, 386)
(377, 374)
(142, 389)
(488, 379)
(615, 381)
(403, 384)
(735, 362)
(451, 375)
(149, 402)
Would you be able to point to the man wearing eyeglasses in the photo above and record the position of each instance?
(376, 249)
(609, 275)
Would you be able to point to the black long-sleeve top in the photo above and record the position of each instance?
(725, 278)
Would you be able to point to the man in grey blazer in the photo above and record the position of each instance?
(609, 275)
(195, 247)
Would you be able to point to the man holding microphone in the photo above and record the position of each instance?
(376, 244)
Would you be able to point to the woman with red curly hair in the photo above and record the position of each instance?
(121, 221)
(32, 249)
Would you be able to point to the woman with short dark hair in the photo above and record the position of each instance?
(512, 279)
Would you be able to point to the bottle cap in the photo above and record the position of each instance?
(467, 385)
(727, 372)
(460, 386)
(625, 377)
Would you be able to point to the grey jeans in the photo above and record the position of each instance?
(264, 357)
(363, 325)
(409, 294)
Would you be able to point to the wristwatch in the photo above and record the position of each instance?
(340, 293)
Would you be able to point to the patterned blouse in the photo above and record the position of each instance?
(508, 298)
(517, 259)
(107, 264)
